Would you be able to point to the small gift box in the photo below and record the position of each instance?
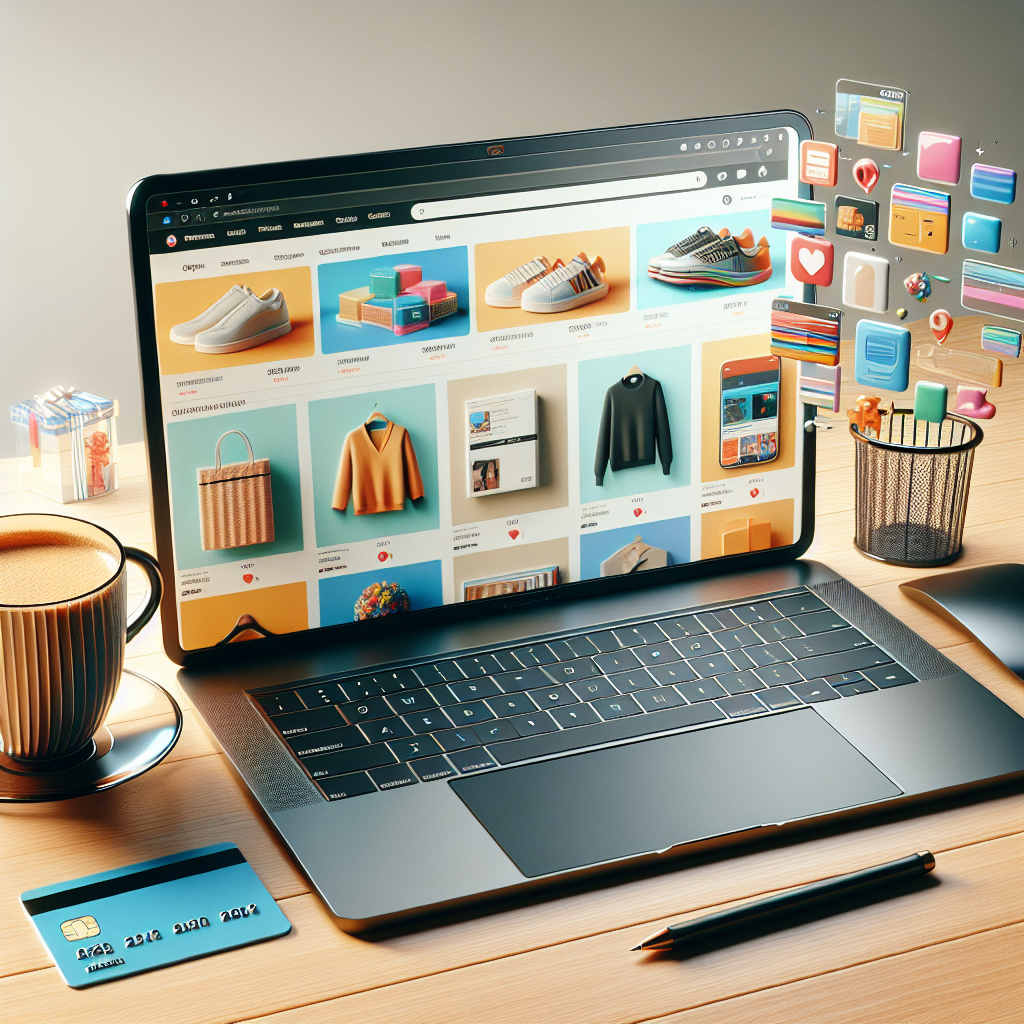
(67, 444)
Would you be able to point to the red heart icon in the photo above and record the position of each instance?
(754, 493)
(638, 511)
(247, 577)
(513, 534)
(382, 556)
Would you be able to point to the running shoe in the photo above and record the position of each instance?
(725, 262)
(508, 290)
(701, 237)
(575, 284)
(185, 334)
(257, 319)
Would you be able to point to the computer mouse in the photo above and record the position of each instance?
(987, 602)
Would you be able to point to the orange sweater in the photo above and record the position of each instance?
(379, 470)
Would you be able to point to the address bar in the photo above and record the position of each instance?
(560, 196)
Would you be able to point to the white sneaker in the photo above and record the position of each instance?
(570, 286)
(185, 334)
(259, 318)
(508, 291)
(675, 256)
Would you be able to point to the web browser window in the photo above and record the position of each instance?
(396, 390)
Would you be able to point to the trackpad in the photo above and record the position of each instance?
(655, 794)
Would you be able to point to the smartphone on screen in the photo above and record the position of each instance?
(750, 411)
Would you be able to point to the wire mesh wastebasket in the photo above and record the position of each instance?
(912, 487)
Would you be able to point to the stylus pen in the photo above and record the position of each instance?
(785, 904)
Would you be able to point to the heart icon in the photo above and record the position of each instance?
(513, 534)
(382, 556)
(247, 577)
(811, 260)
(638, 512)
(754, 493)
(940, 324)
(865, 173)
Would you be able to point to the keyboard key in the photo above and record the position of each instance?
(384, 729)
(681, 626)
(575, 714)
(605, 732)
(778, 675)
(741, 705)
(701, 689)
(475, 689)
(411, 700)
(581, 668)
(414, 746)
(308, 721)
(740, 660)
(889, 675)
(524, 679)
(617, 661)
(657, 654)
(778, 697)
(770, 654)
(343, 786)
(509, 704)
(591, 689)
(441, 692)
(478, 665)
(507, 660)
(322, 696)
(669, 675)
(561, 650)
(341, 762)
(399, 679)
(616, 707)
(781, 629)
(553, 697)
(852, 689)
(861, 658)
(843, 677)
(712, 665)
(697, 646)
(441, 671)
(457, 739)
(327, 740)
(281, 703)
(431, 768)
(471, 713)
(492, 732)
(531, 725)
(582, 646)
(814, 690)
(428, 721)
(827, 643)
(604, 641)
(358, 689)
(641, 635)
(722, 619)
(733, 639)
(536, 655)
(627, 682)
(365, 710)
(821, 622)
(798, 603)
(393, 776)
(740, 682)
(659, 698)
(760, 612)
(471, 760)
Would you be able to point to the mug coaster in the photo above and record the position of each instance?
(121, 750)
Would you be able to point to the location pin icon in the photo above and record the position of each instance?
(865, 173)
(940, 323)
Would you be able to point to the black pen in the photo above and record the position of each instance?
(761, 911)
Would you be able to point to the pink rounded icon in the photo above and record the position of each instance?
(938, 157)
(811, 259)
(171, 241)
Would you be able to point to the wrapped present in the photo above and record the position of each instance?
(350, 304)
(432, 291)
(67, 444)
(385, 283)
(378, 311)
(410, 310)
(408, 275)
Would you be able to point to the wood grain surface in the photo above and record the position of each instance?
(951, 952)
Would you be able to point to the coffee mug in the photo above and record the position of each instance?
(64, 624)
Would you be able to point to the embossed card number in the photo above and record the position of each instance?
(181, 927)
(227, 915)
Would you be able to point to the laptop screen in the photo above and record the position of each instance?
(470, 374)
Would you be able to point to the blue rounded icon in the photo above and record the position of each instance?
(981, 232)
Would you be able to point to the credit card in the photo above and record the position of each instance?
(805, 331)
(874, 115)
(919, 218)
(990, 288)
(801, 215)
(149, 915)
(856, 218)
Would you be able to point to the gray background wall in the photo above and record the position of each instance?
(95, 95)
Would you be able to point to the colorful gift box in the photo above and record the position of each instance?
(408, 275)
(432, 291)
(386, 282)
(411, 310)
(444, 307)
(350, 304)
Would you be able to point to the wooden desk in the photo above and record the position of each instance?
(953, 953)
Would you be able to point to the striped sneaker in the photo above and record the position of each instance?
(725, 262)
(575, 284)
(508, 291)
(701, 237)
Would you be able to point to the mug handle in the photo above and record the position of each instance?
(138, 619)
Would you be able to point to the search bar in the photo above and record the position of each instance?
(560, 196)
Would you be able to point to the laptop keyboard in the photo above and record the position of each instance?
(382, 730)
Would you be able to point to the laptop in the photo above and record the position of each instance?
(480, 499)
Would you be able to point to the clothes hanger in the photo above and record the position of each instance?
(633, 371)
(376, 420)
(245, 624)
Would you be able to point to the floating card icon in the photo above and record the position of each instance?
(811, 260)
(972, 366)
(866, 282)
(991, 289)
(1001, 340)
(819, 162)
(981, 232)
(919, 218)
(798, 215)
(819, 385)
(805, 331)
(996, 184)
(857, 218)
(938, 157)
(874, 115)
(930, 401)
(882, 355)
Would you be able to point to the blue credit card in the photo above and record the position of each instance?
(149, 915)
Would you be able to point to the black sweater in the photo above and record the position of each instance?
(634, 417)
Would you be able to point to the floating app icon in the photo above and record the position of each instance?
(981, 232)
(992, 289)
(805, 331)
(882, 355)
(819, 385)
(996, 184)
(819, 162)
(171, 241)
(811, 259)
(973, 402)
(866, 282)
(1001, 340)
(940, 323)
(919, 286)
(865, 173)
(798, 215)
(857, 218)
(919, 218)
(938, 157)
(930, 401)
(874, 115)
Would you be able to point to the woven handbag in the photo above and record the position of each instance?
(235, 503)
